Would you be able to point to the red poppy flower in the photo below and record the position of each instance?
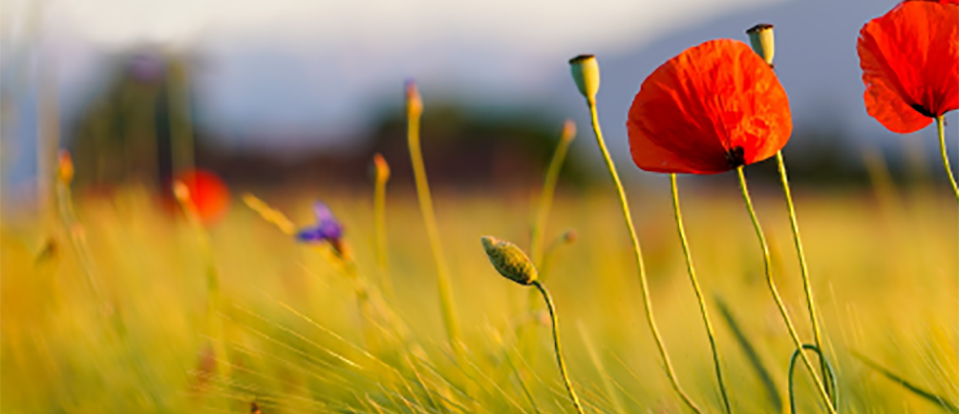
(910, 64)
(209, 195)
(956, 2)
(710, 109)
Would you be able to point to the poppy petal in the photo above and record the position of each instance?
(910, 64)
(711, 108)
(209, 195)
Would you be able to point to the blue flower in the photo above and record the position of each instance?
(327, 228)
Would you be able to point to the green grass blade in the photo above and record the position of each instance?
(939, 401)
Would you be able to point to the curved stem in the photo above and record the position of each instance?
(775, 292)
(945, 157)
(699, 292)
(557, 345)
(826, 371)
(429, 218)
(644, 285)
(804, 268)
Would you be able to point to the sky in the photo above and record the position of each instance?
(292, 67)
(284, 74)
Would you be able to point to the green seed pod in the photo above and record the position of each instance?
(762, 40)
(509, 260)
(586, 74)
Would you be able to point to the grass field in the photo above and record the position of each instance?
(115, 314)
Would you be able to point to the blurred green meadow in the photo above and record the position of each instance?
(112, 313)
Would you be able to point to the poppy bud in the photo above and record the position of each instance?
(509, 260)
(414, 103)
(569, 130)
(586, 74)
(65, 167)
(762, 40)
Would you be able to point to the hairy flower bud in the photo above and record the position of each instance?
(509, 260)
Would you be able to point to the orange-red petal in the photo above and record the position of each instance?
(910, 64)
(708, 102)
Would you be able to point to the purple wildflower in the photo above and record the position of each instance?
(327, 228)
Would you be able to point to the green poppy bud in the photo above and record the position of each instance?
(509, 260)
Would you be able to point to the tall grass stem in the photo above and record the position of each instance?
(644, 284)
(699, 293)
(775, 292)
(557, 345)
(940, 128)
(379, 221)
(804, 270)
(549, 189)
(429, 218)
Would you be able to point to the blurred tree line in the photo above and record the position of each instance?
(139, 127)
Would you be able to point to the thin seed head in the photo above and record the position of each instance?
(569, 130)
(585, 71)
(382, 168)
(65, 167)
(181, 191)
(509, 260)
(414, 103)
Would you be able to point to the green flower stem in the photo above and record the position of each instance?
(804, 268)
(945, 157)
(772, 288)
(699, 292)
(546, 198)
(557, 345)
(643, 283)
(379, 220)
(426, 207)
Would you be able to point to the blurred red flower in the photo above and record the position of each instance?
(910, 64)
(209, 195)
(712, 108)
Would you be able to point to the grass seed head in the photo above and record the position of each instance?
(414, 103)
(569, 130)
(65, 167)
(509, 260)
(380, 168)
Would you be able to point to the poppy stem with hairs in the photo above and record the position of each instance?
(940, 127)
(644, 285)
(699, 292)
(775, 292)
(414, 109)
(803, 267)
(557, 345)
